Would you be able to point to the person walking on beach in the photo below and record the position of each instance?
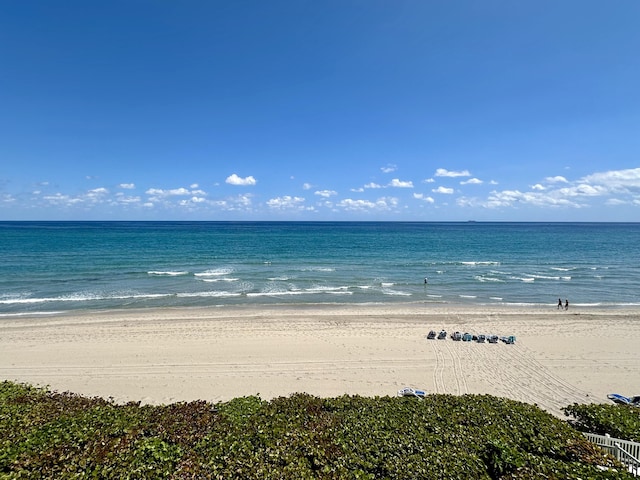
(559, 303)
(566, 304)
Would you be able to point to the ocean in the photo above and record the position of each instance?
(52, 267)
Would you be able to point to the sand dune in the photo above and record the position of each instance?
(215, 354)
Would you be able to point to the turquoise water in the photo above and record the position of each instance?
(60, 266)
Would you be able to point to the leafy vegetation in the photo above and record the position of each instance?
(619, 421)
(61, 435)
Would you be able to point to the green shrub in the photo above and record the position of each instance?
(297, 437)
(619, 421)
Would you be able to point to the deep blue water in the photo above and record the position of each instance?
(61, 266)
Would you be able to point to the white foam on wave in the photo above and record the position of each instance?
(545, 277)
(215, 272)
(318, 269)
(329, 290)
(395, 293)
(169, 273)
(387, 284)
(325, 288)
(523, 279)
(30, 314)
(275, 293)
(214, 280)
(84, 297)
(222, 294)
(482, 278)
(474, 264)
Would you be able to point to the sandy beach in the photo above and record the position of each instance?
(215, 354)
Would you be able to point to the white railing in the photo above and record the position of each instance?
(625, 451)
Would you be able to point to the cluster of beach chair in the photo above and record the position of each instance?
(468, 337)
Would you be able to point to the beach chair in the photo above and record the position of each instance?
(442, 335)
(622, 400)
(411, 392)
(456, 336)
(432, 335)
(467, 337)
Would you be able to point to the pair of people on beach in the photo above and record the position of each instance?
(566, 304)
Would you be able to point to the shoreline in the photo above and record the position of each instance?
(165, 355)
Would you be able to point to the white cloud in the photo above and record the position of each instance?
(62, 200)
(388, 202)
(326, 193)
(556, 179)
(384, 204)
(615, 179)
(123, 199)
(285, 202)
(351, 204)
(442, 172)
(233, 204)
(96, 195)
(389, 168)
(602, 184)
(166, 197)
(421, 196)
(617, 201)
(472, 181)
(234, 179)
(445, 190)
(400, 184)
(582, 190)
(159, 192)
(614, 190)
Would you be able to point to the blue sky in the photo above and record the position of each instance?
(320, 110)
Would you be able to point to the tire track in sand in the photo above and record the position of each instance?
(438, 370)
(458, 372)
(516, 374)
